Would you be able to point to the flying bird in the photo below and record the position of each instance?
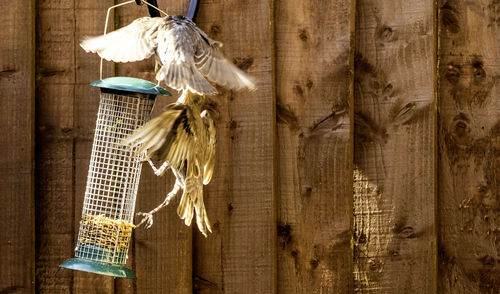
(185, 56)
(182, 139)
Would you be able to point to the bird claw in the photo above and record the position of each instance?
(147, 218)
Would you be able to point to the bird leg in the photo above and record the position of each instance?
(158, 171)
(148, 216)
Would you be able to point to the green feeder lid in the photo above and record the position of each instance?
(96, 267)
(130, 85)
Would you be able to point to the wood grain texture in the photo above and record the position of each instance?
(240, 255)
(469, 145)
(394, 157)
(162, 255)
(17, 83)
(313, 79)
(54, 145)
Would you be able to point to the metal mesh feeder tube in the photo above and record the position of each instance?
(113, 178)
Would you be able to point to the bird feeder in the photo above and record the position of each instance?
(113, 178)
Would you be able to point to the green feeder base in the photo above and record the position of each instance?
(98, 268)
(130, 85)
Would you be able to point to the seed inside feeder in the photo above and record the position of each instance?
(105, 232)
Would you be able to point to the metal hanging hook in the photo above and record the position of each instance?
(152, 7)
(193, 9)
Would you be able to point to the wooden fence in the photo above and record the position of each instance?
(368, 160)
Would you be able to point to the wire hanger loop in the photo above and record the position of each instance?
(122, 4)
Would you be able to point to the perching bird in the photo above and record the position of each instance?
(184, 53)
(182, 139)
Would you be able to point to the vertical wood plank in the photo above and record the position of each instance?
(469, 136)
(54, 145)
(161, 256)
(240, 255)
(89, 20)
(394, 182)
(314, 92)
(17, 83)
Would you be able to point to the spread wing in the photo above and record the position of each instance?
(134, 42)
(210, 61)
(170, 137)
(208, 166)
(153, 135)
(176, 51)
(188, 54)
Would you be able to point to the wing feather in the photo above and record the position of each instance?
(170, 137)
(134, 42)
(209, 164)
(210, 61)
(153, 135)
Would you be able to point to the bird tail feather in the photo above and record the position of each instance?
(191, 202)
(183, 76)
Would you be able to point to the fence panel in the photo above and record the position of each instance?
(394, 153)
(327, 107)
(314, 111)
(17, 86)
(469, 134)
